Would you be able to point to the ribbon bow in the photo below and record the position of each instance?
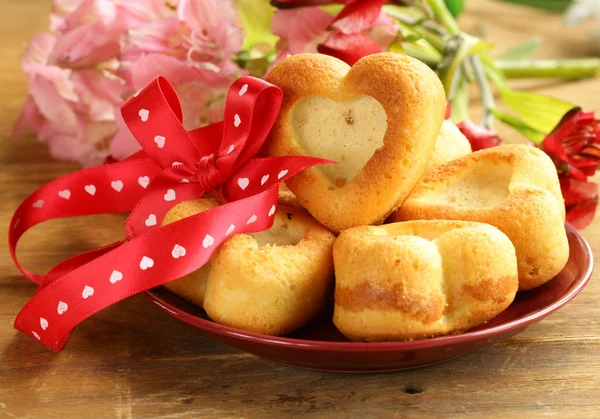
(175, 165)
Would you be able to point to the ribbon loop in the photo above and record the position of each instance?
(155, 119)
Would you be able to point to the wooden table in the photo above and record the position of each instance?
(131, 360)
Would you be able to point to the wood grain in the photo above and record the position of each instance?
(131, 360)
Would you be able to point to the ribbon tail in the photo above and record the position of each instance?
(100, 190)
(144, 262)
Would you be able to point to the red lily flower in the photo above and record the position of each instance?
(479, 137)
(357, 16)
(574, 145)
(346, 40)
(348, 48)
(581, 200)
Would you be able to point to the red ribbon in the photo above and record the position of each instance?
(174, 166)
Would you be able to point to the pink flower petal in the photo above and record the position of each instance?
(30, 119)
(51, 104)
(301, 30)
(146, 68)
(123, 143)
(212, 21)
(86, 46)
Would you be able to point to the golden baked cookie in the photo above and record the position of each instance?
(420, 279)
(449, 145)
(378, 119)
(270, 282)
(513, 187)
(191, 287)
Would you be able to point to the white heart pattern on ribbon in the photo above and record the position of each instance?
(43, 323)
(150, 221)
(38, 204)
(170, 195)
(144, 113)
(264, 179)
(146, 263)
(117, 185)
(272, 210)
(230, 230)
(65, 194)
(178, 251)
(36, 335)
(87, 292)
(115, 277)
(252, 219)
(160, 141)
(62, 307)
(144, 181)
(236, 120)
(243, 183)
(243, 90)
(91, 189)
(231, 148)
(208, 241)
(282, 174)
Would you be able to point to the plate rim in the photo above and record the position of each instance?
(318, 345)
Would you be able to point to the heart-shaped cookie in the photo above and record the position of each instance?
(379, 120)
(271, 282)
(420, 279)
(513, 187)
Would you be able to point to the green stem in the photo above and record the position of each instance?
(487, 97)
(435, 40)
(441, 11)
(561, 68)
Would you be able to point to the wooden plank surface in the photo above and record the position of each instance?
(131, 360)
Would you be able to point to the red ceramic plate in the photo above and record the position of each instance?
(320, 346)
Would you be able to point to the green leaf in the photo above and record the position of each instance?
(551, 5)
(410, 15)
(455, 6)
(407, 34)
(540, 112)
(256, 18)
(522, 52)
(419, 49)
(527, 131)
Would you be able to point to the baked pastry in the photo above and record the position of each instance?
(379, 120)
(419, 279)
(191, 287)
(270, 282)
(513, 187)
(449, 145)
